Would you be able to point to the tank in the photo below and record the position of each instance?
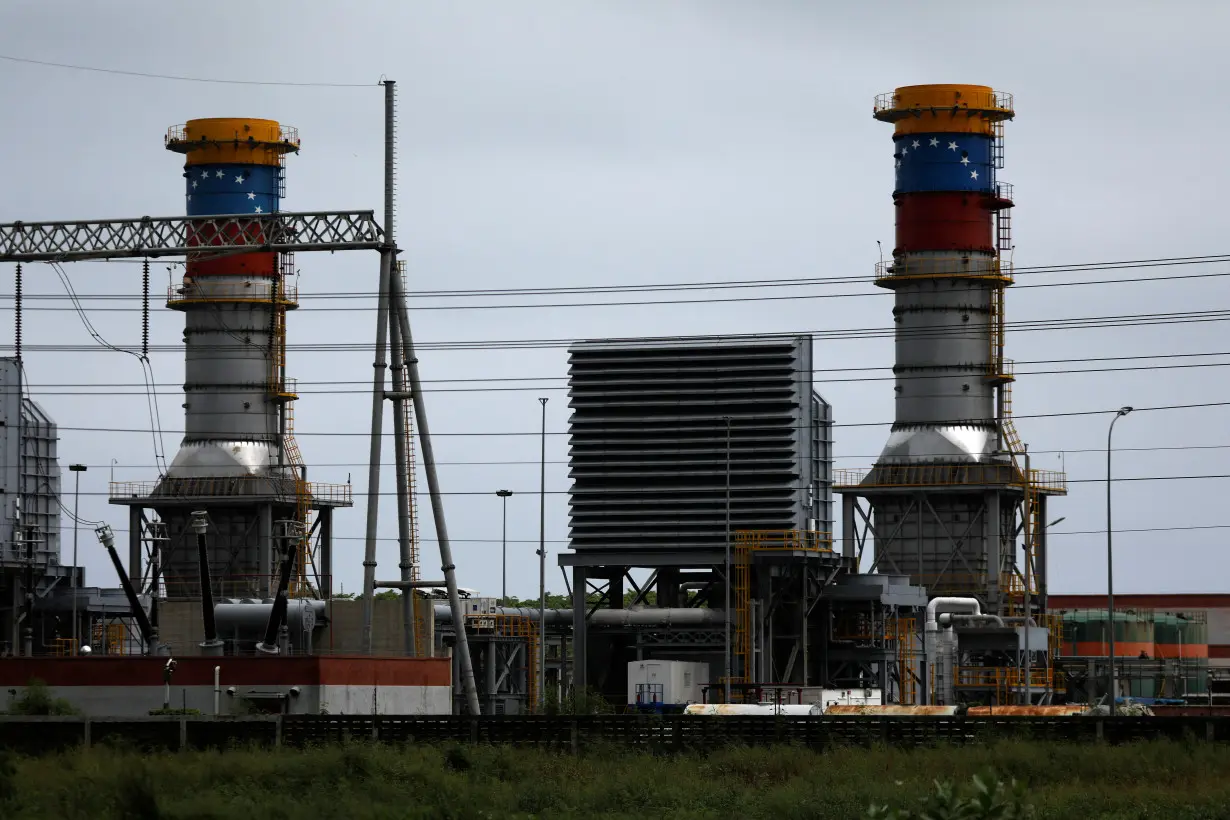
(891, 709)
(731, 709)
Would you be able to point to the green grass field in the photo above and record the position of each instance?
(1155, 780)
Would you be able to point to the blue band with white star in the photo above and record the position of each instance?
(943, 162)
(232, 189)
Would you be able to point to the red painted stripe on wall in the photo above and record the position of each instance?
(199, 671)
(1179, 601)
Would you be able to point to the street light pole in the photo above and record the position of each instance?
(1110, 574)
(504, 494)
(729, 663)
(77, 470)
(542, 565)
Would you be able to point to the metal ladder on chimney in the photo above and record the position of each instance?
(420, 625)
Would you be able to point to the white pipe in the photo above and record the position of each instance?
(970, 605)
(951, 618)
(931, 640)
(217, 690)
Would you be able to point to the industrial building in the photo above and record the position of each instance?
(706, 559)
(706, 465)
(37, 588)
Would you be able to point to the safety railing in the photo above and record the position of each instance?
(1003, 191)
(988, 268)
(785, 540)
(288, 138)
(334, 494)
(1051, 481)
(994, 103)
(256, 290)
(925, 475)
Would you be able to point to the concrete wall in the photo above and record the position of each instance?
(133, 686)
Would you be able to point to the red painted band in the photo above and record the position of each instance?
(944, 222)
(331, 670)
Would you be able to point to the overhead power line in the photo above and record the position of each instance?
(108, 391)
(814, 370)
(178, 78)
(534, 492)
(861, 458)
(862, 294)
(836, 334)
(693, 425)
(797, 281)
(495, 541)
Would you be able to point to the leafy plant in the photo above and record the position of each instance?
(985, 798)
(38, 700)
(163, 711)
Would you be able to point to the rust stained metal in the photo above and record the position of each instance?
(1026, 711)
(891, 709)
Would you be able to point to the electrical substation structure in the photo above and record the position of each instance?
(952, 501)
(232, 515)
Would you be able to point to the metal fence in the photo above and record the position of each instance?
(662, 734)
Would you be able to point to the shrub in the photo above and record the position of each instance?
(37, 700)
(985, 798)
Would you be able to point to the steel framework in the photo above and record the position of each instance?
(150, 237)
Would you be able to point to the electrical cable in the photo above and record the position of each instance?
(837, 334)
(656, 302)
(697, 421)
(494, 541)
(151, 76)
(147, 369)
(861, 458)
(105, 390)
(1072, 267)
(863, 369)
(535, 491)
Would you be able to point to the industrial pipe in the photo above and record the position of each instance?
(217, 690)
(951, 619)
(211, 645)
(932, 639)
(650, 616)
(148, 636)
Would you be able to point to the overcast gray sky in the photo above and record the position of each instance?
(573, 143)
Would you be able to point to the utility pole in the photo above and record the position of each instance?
(542, 564)
(77, 470)
(728, 652)
(387, 253)
(1110, 573)
(504, 494)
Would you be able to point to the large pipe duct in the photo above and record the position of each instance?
(940, 648)
(650, 616)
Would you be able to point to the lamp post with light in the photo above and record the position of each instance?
(504, 494)
(77, 470)
(1110, 574)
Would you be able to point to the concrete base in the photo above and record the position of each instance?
(133, 686)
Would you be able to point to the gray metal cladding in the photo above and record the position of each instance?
(648, 449)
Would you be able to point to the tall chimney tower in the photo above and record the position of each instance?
(951, 501)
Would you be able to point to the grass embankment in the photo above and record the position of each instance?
(1154, 780)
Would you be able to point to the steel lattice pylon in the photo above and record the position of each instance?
(149, 237)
